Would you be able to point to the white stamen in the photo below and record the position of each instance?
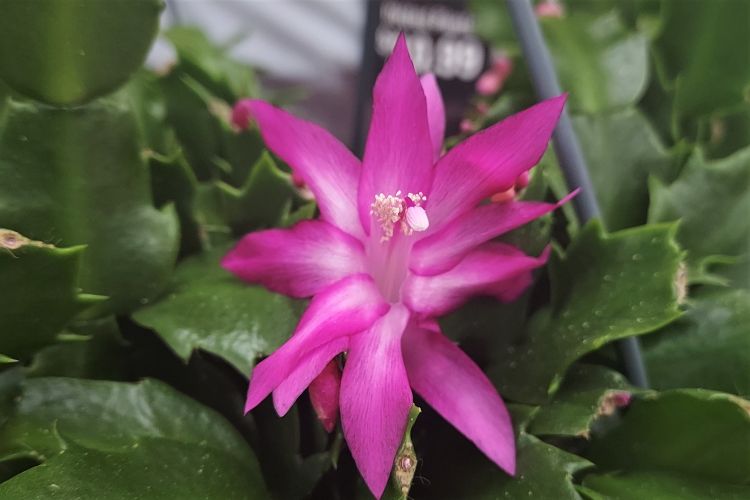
(417, 219)
(387, 210)
(418, 198)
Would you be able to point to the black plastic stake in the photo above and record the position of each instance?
(567, 149)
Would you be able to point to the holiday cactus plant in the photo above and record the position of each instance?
(382, 268)
(175, 248)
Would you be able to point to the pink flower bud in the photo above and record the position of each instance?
(503, 65)
(522, 181)
(612, 401)
(489, 83)
(467, 126)
(509, 194)
(241, 114)
(549, 8)
(492, 81)
(622, 398)
(504, 196)
(324, 395)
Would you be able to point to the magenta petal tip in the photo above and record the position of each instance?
(400, 42)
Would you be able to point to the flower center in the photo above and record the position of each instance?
(392, 210)
(388, 253)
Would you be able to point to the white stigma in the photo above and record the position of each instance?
(417, 219)
(389, 210)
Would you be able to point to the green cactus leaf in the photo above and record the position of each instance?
(70, 52)
(703, 49)
(697, 433)
(587, 393)
(196, 128)
(542, 471)
(212, 217)
(146, 98)
(600, 63)
(164, 468)
(621, 150)
(207, 308)
(10, 389)
(280, 448)
(76, 177)
(242, 150)
(39, 294)
(709, 347)
(174, 182)
(711, 200)
(306, 211)
(214, 147)
(662, 485)
(153, 439)
(727, 132)
(211, 65)
(263, 200)
(101, 353)
(606, 287)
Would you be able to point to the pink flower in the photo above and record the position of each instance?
(401, 239)
(549, 8)
(467, 126)
(492, 80)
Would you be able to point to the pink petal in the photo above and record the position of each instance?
(484, 271)
(511, 289)
(441, 251)
(329, 169)
(398, 153)
(456, 388)
(299, 261)
(490, 161)
(435, 113)
(308, 370)
(347, 307)
(376, 398)
(324, 395)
